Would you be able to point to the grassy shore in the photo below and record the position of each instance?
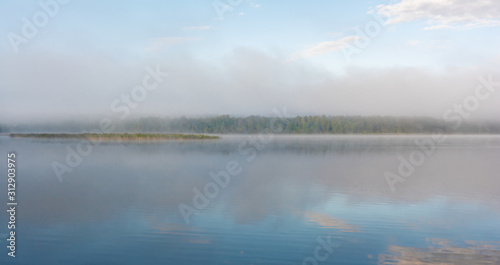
(116, 136)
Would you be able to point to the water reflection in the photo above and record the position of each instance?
(122, 202)
(442, 251)
(326, 221)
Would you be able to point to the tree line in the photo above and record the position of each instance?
(226, 124)
(308, 125)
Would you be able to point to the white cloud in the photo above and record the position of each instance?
(254, 5)
(444, 14)
(325, 47)
(430, 44)
(204, 27)
(159, 43)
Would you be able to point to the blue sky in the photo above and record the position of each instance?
(249, 58)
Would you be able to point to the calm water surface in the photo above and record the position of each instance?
(288, 200)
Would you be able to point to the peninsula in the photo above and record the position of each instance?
(116, 136)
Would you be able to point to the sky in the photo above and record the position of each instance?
(69, 59)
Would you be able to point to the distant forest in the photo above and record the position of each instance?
(254, 124)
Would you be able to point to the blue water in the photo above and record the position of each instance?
(288, 200)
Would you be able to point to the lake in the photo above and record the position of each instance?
(249, 199)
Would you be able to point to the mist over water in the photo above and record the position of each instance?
(351, 132)
(123, 201)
